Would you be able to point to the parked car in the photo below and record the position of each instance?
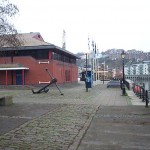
(113, 83)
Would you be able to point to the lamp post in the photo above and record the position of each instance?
(104, 71)
(103, 56)
(86, 71)
(123, 84)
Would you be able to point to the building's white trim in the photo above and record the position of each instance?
(17, 68)
(43, 62)
(40, 82)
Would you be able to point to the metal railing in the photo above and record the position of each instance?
(127, 84)
(142, 93)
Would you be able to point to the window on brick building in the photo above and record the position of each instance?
(37, 54)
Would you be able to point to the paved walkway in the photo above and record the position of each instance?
(134, 99)
(118, 128)
(52, 121)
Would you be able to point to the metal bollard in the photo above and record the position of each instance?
(143, 96)
(140, 93)
(146, 98)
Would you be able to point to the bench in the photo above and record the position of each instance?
(6, 100)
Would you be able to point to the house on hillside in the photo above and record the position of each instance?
(27, 64)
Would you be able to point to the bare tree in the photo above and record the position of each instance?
(8, 33)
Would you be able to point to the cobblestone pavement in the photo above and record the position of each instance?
(98, 95)
(54, 130)
(62, 127)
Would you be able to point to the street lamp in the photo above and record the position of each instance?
(123, 85)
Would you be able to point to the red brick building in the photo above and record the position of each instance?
(25, 65)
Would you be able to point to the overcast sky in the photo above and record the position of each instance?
(110, 23)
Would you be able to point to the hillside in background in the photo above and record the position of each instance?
(113, 58)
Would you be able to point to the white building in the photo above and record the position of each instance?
(142, 68)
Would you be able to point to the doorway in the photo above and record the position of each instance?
(18, 77)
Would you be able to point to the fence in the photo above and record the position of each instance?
(142, 93)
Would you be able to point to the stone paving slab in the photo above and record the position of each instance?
(134, 99)
(8, 124)
(19, 113)
(123, 128)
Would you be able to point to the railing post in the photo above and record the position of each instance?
(146, 98)
(143, 95)
(140, 92)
